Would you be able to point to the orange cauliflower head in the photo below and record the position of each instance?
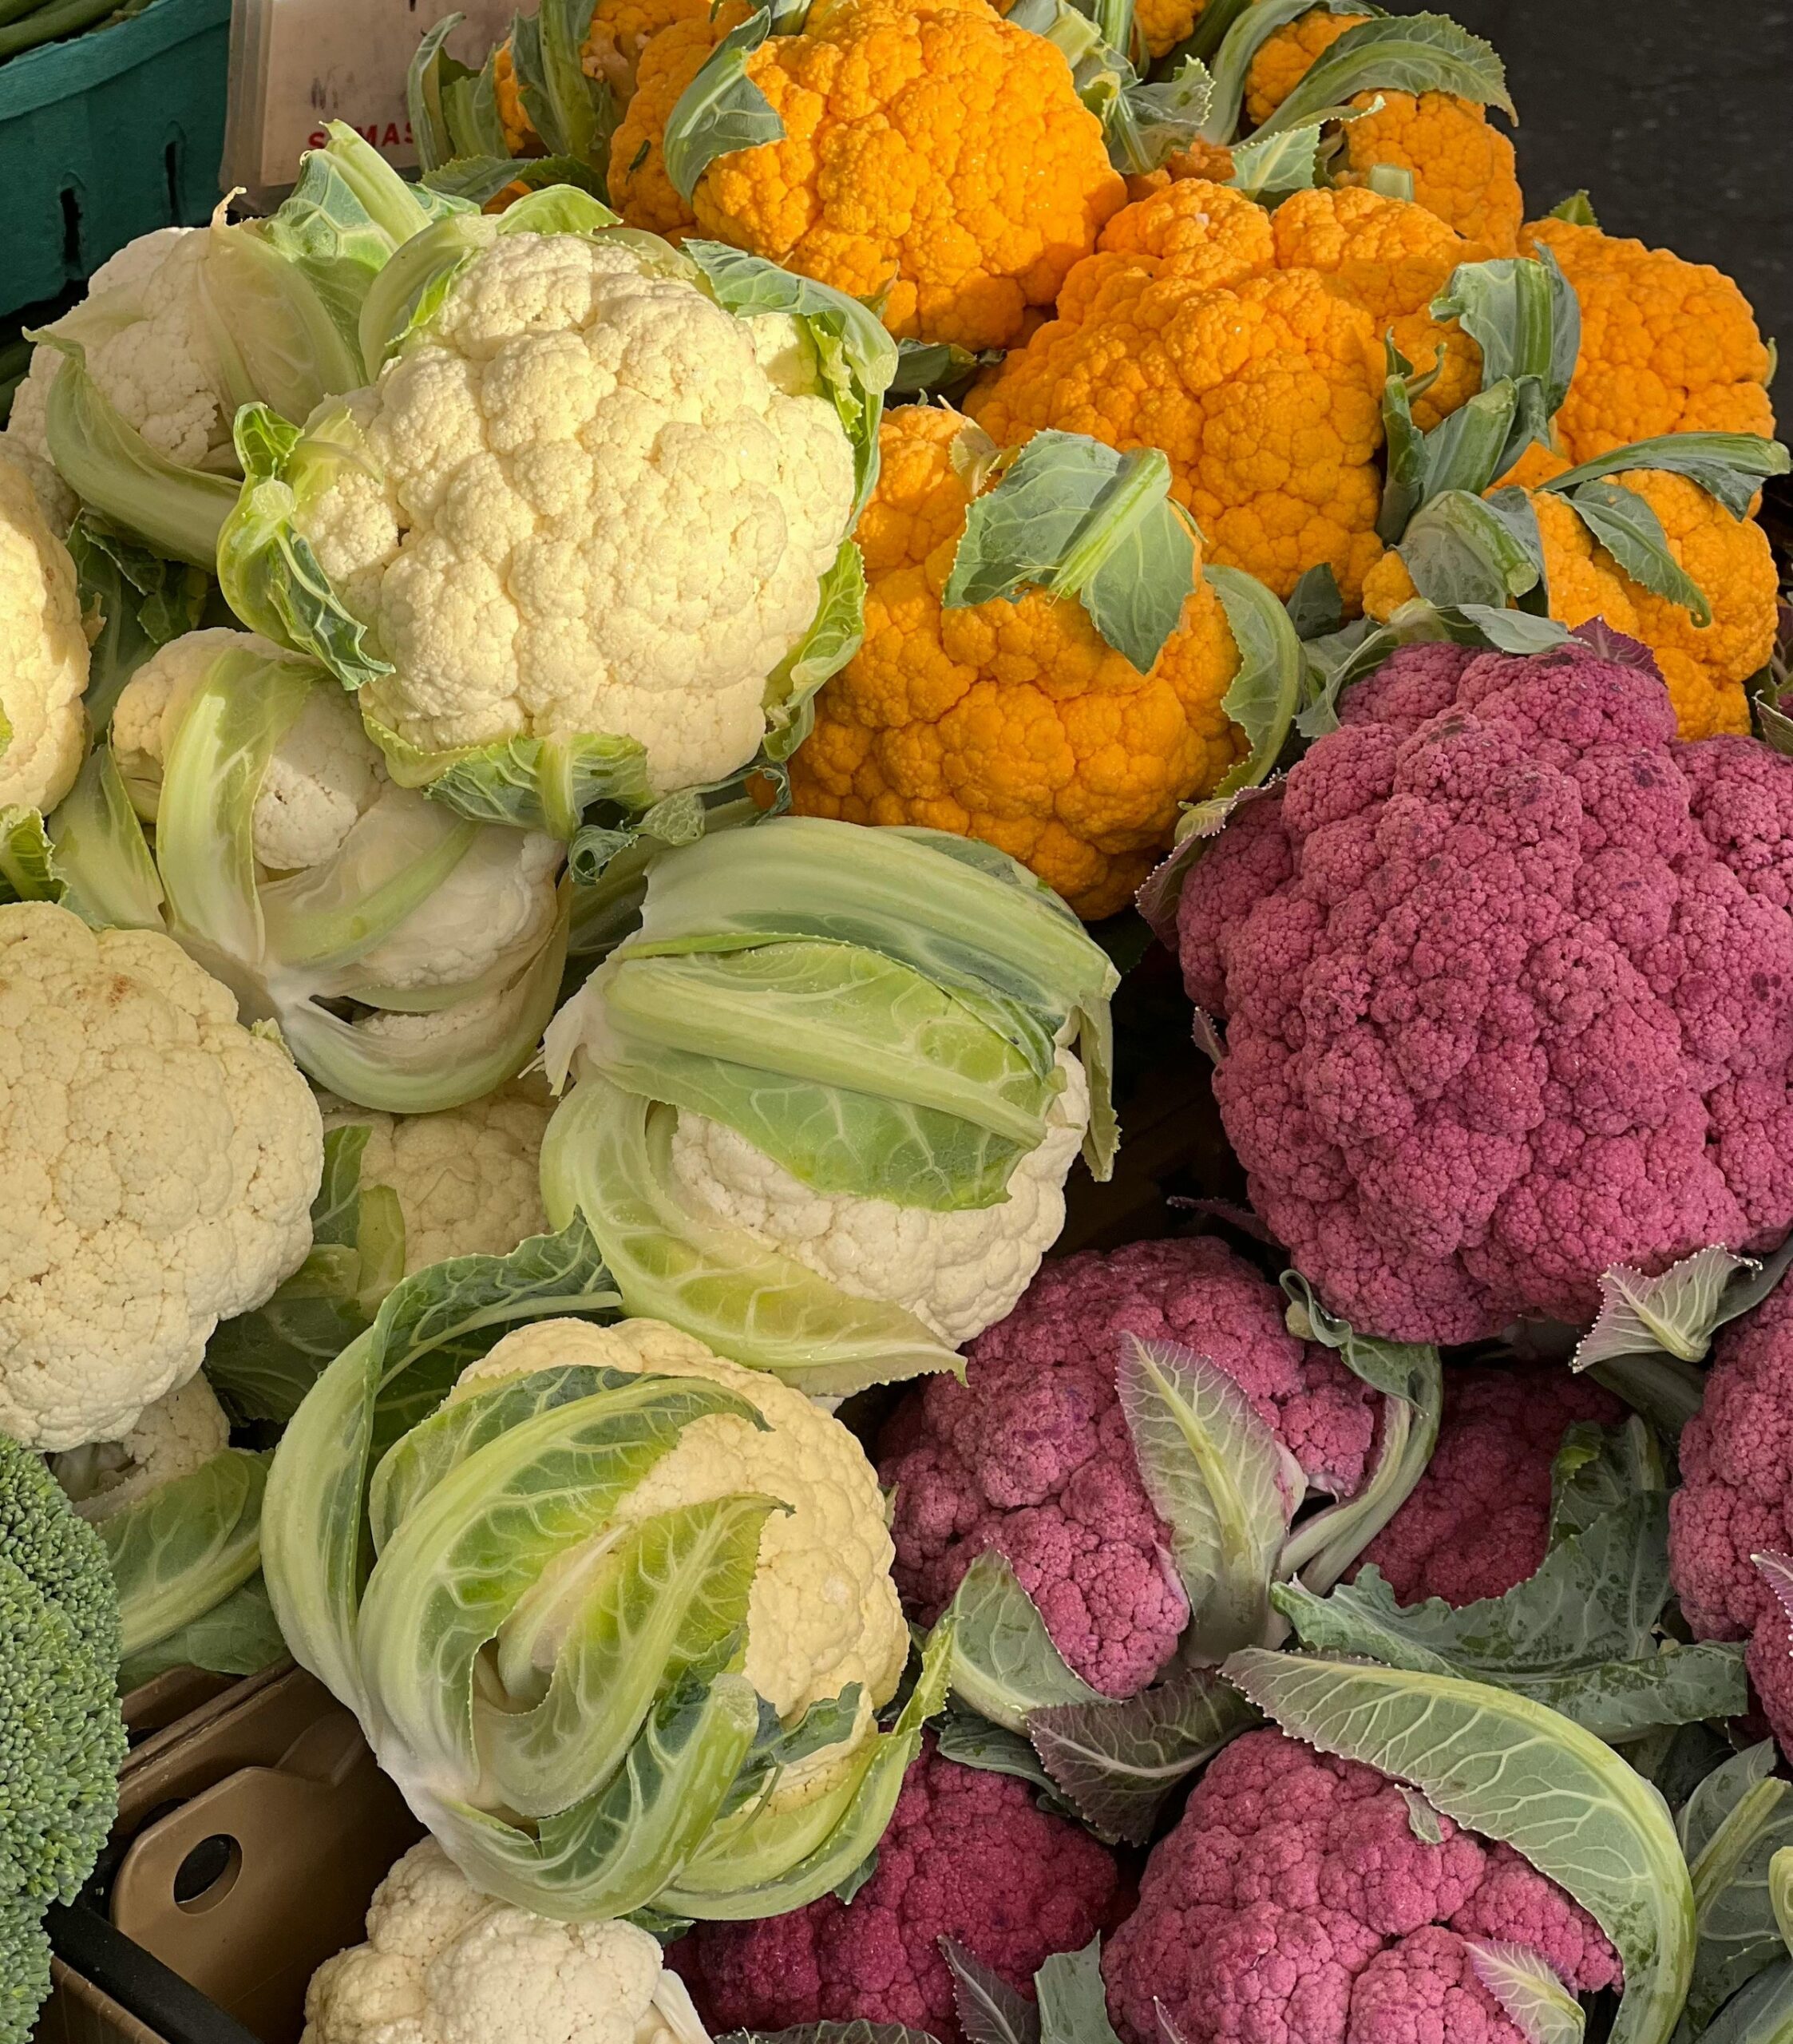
(1014, 723)
(1262, 385)
(1705, 666)
(1463, 168)
(1667, 346)
(934, 157)
(1392, 258)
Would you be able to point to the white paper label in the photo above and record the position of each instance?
(300, 63)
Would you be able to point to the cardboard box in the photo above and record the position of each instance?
(251, 1834)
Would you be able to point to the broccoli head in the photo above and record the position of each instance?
(1031, 1455)
(1295, 1900)
(1507, 976)
(1477, 1521)
(62, 1738)
(969, 1855)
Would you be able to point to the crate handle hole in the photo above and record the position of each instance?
(207, 1874)
(71, 233)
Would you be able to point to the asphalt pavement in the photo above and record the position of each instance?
(1677, 116)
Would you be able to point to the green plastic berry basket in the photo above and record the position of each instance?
(103, 138)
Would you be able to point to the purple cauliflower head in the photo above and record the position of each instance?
(1507, 974)
(1424, 1989)
(1031, 1455)
(968, 1855)
(1736, 1501)
(1477, 1521)
(1290, 1904)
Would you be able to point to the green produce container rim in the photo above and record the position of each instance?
(62, 70)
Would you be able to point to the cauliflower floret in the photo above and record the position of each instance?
(1291, 1902)
(468, 1180)
(1477, 1521)
(143, 326)
(160, 1162)
(969, 1855)
(499, 898)
(823, 1610)
(325, 775)
(599, 512)
(43, 653)
(956, 1273)
(1507, 977)
(445, 1965)
(179, 1433)
(1030, 1455)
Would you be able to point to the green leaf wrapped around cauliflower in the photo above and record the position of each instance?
(43, 653)
(585, 538)
(823, 1611)
(158, 1162)
(131, 397)
(410, 956)
(444, 1964)
(630, 1612)
(179, 1511)
(958, 1273)
(827, 1096)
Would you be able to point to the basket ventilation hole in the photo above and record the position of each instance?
(170, 170)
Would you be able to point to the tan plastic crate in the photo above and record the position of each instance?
(269, 1796)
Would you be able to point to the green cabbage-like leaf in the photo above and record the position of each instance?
(1628, 527)
(141, 601)
(529, 783)
(238, 1637)
(722, 109)
(835, 634)
(1115, 1763)
(990, 2011)
(1729, 466)
(1263, 697)
(1004, 1665)
(269, 572)
(179, 1551)
(1229, 36)
(1073, 517)
(1218, 1476)
(176, 511)
(1510, 1769)
(1530, 1995)
(1732, 1828)
(607, 1158)
(1599, 1470)
(1405, 53)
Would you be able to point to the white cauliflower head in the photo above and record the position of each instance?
(43, 651)
(148, 347)
(958, 1273)
(444, 1964)
(179, 1433)
(823, 1610)
(597, 502)
(325, 775)
(468, 1180)
(497, 905)
(160, 1162)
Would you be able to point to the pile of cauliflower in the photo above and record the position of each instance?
(604, 799)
